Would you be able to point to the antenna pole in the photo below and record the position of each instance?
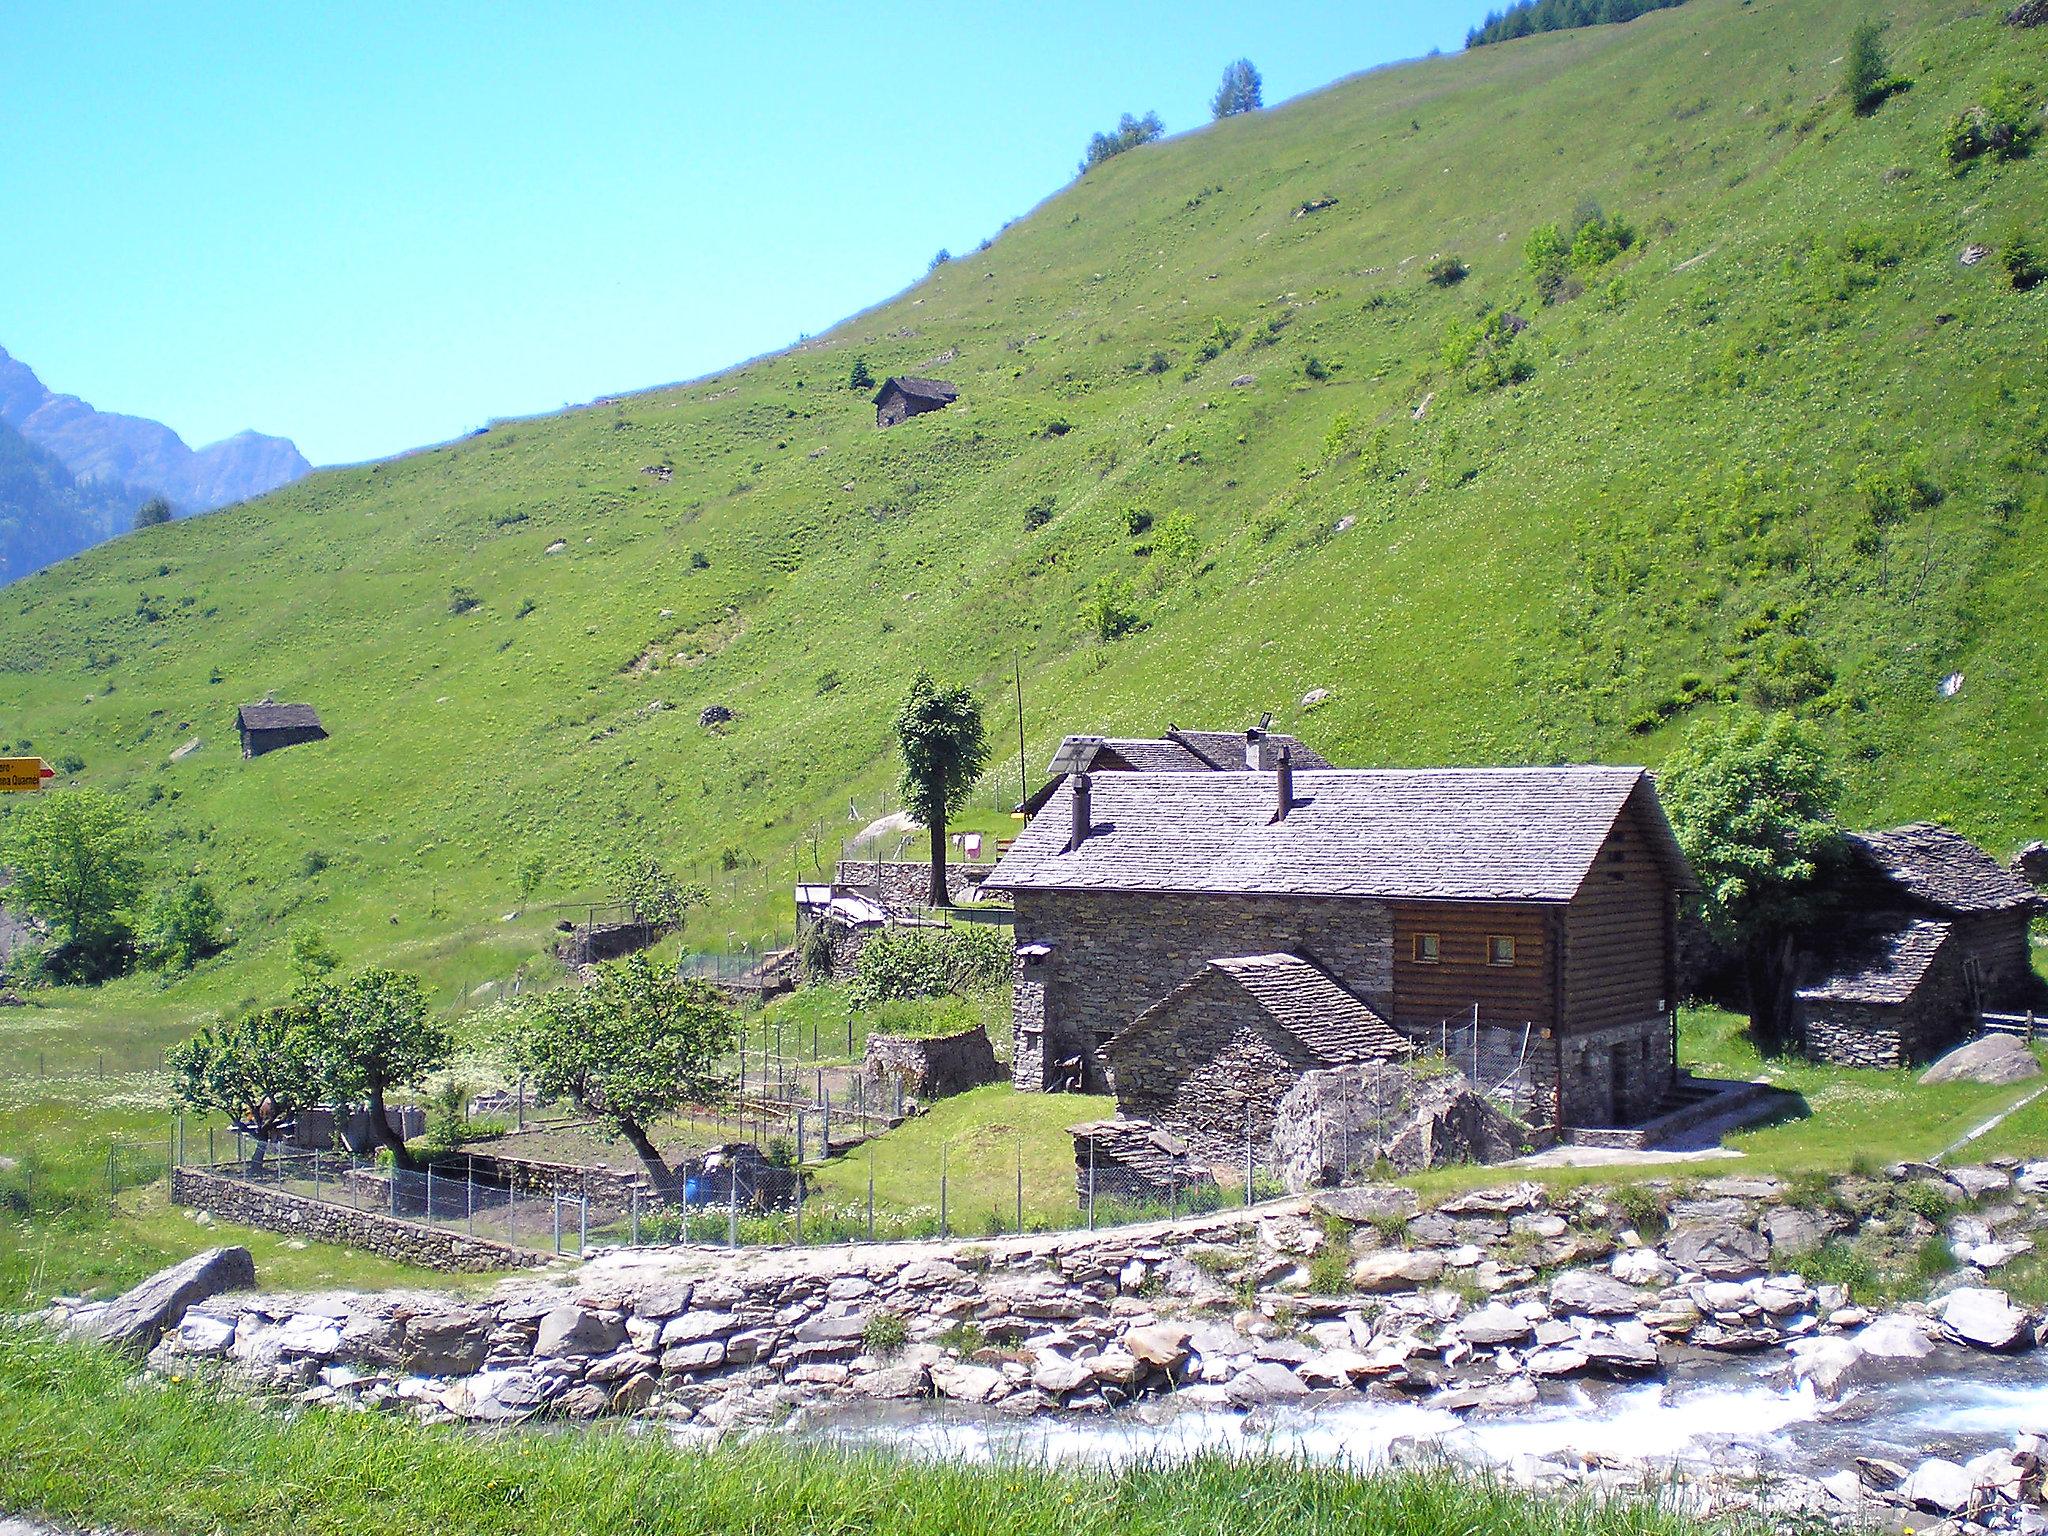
(1023, 781)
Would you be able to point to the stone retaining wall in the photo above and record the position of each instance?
(507, 1169)
(905, 883)
(275, 1210)
(934, 1068)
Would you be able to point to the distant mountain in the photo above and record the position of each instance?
(109, 465)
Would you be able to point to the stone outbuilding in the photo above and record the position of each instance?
(1522, 919)
(899, 399)
(266, 727)
(1212, 1059)
(1935, 933)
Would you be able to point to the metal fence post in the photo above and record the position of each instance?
(469, 1200)
(430, 1193)
(635, 1200)
(1091, 1183)
(945, 1154)
(316, 1173)
(582, 1225)
(732, 1219)
(558, 1220)
(1247, 1154)
(113, 1188)
(1020, 1185)
(799, 1171)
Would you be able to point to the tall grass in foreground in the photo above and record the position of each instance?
(81, 1440)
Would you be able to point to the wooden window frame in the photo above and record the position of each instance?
(1493, 943)
(1435, 941)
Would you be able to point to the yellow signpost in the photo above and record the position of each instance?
(23, 773)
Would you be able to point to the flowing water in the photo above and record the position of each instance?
(1724, 1414)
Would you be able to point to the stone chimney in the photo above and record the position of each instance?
(1258, 746)
(1084, 810)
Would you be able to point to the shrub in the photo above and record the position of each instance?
(1790, 671)
(2021, 258)
(462, 600)
(1136, 521)
(1158, 362)
(699, 561)
(1867, 78)
(860, 378)
(1130, 132)
(904, 964)
(884, 1333)
(1447, 271)
(1111, 613)
(1315, 368)
(1039, 513)
(814, 952)
(963, 1338)
(1599, 240)
(1642, 1207)
(1835, 1262)
(1925, 1198)
(182, 927)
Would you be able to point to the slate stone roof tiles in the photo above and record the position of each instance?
(1882, 962)
(1942, 869)
(1443, 834)
(1306, 1001)
(276, 717)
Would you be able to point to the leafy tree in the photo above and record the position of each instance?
(632, 1046)
(940, 259)
(259, 1071)
(1752, 800)
(78, 865)
(183, 927)
(943, 744)
(153, 511)
(310, 956)
(1130, 133)
(2025, 267)
(860, 378)
(1867, 77)
(1239, 92)
(374, 1033)
(655, 892)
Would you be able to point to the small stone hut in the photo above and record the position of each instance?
(899, 399)
(1212, 1059)
(1937, 934)
(266, 727)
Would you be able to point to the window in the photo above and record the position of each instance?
(1428, 948)
(1500, 950)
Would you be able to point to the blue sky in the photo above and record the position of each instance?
(369, 227)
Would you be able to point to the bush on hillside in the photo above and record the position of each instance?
(1448, 271)
(860, 378)
(905, 964)
(1599, 239)
(1241, 91)
(2024, 266)
(152, 512)
(1490, 354)
(1039, 513)
(1867, 78)
(1111, 613)
(182, 927)
(2003, 125)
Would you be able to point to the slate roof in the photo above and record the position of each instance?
(1882, 962)
(1306, 1001)
(1177, 751)
(920, 389)
(276, 717)
(1440, 834)
(1943, 869)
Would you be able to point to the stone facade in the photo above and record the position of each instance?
(594, 944)
(934, 1068)
(1335, 1125)
(1933, 1017)
(275, 1210)
(1210, 1067)
(504, 1168)
(1110, 956)
(900, 884)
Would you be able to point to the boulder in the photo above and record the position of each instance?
(1792, 1232)
(966, 1383)
(1985, 1319)
(1896, 1337)
(202, 1333)
(1397, 1269)
(1334, 1368)
(1991, 1059)
(1265, 1382)
(1594, 1294)
(1495, 1324)
(1622, 1357)
(1720, 1250)
(1830, 1363)
(1939, 1485)
(1360, 1203)
(1495, 1202)
(570, 1330)
(1164, 1345)
(1563, 1360)
(139, 1317)
(448, 1343)
(1640, 1266)
(499, 1396)
(1058, 1375)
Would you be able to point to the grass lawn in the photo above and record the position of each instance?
(81, 1442)
(979, 1141)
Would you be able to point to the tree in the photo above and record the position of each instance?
(310, 956)
(860, 378)
(1130, 133)
(1239, 92)
(632, 1046)
(1752, 801)
(153, 511)
(940, 736)
(655, 893)
(259, 1071)
(183, 926)
(374, 1033)
(1866, 73)
(78, 865)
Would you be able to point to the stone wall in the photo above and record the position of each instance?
(606, 941)
(1613, 1076)
(1934, 1018)
(933, 1068)
(314, 1129)
(903, 883)
(275, 1210)
(1335, 1125)
(1113, 955)
(505, 1168)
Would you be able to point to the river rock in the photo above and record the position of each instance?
(1720, 1250)
(1622, 1357)
(1564, 1360)
(1640, 1266)
(138, 1318)
(571, 1330)
(1360, 1203)
(1334, 1368)
(1494, 1324)
(1896, 1336)
(1985, 1319)
(1058, 1375)
(447, 1343)
(1118, 1367)
(1265, 1382)
(1939, 1485)
(1994, 1059)
(1792, 1232)
(1164, 1345)
(1829, 1363)
(1880, 1474)
(702, 1355)
(966, 1383)
(499, 1396)
(1595, 1294)
(1396, 1269)
(1495, 1202)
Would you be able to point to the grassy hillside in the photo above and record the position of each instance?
(1785, 446)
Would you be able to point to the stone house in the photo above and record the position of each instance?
(1212, 1059)
(1936, 933)
(1526, 914)
(899, 399)
(266, 727)
(1178, 751)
